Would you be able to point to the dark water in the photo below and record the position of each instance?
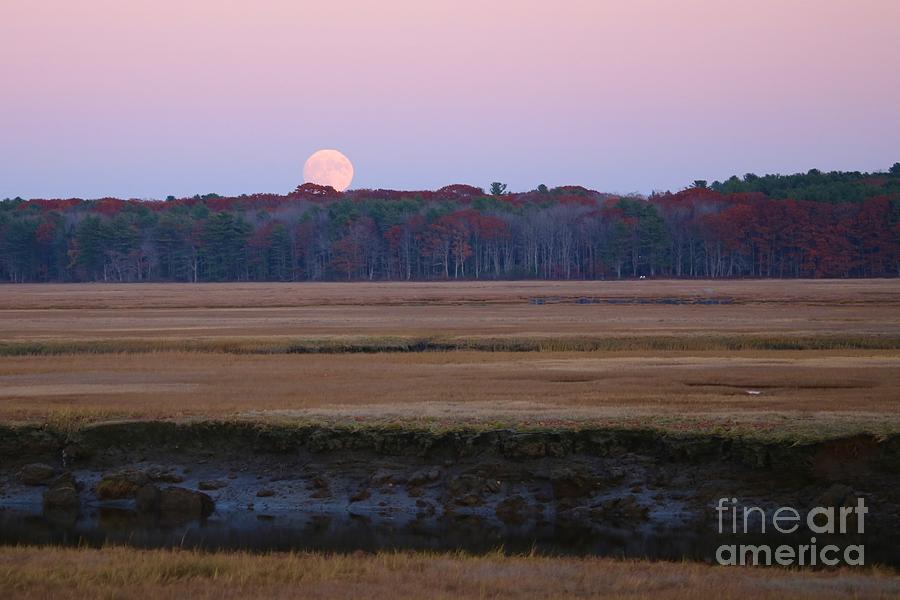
(333, 532)
(343, 532)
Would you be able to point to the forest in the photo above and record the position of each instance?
(839, 224)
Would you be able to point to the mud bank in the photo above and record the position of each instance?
(588, 491)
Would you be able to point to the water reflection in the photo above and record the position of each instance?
(344, 532)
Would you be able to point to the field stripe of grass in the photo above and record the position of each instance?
(118, 572)
(482, 344)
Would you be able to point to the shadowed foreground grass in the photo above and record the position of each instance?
(120, 572)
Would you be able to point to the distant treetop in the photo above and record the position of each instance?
(832, 187)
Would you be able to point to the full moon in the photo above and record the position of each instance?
(328, 167)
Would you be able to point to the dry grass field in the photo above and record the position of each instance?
(792, 360)
(795, 390)
(268, 295)
(500, 309)
(98, 352)
(126, 573)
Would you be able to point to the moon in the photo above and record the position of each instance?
(328, 167)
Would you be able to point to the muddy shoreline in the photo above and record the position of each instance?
(600, 491)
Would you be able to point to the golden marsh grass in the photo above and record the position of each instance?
(819, 353)
(795, 388)
(117, 572)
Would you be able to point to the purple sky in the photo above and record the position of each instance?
(147, 98)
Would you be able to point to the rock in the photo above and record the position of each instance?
(163, 475)
(427, 508)
(62, 493)
(469, 500)
(492, 485)
(212, 485)
(424, 476)
(382, 477)
(265, 493)
(361, 495)
(319, 483)
(570, 482)
(124, 484)
(147, 498)
(178, 501)
(469, 490)
(36, 474)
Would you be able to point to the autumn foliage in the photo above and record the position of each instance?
(729, 230)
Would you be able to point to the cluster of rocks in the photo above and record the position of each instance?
(150, 497)
(471, 489)
(385, 481)
(532, 476)
(62, 491)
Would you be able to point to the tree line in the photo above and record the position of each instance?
(727, 230)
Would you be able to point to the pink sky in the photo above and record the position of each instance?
(144, 98)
